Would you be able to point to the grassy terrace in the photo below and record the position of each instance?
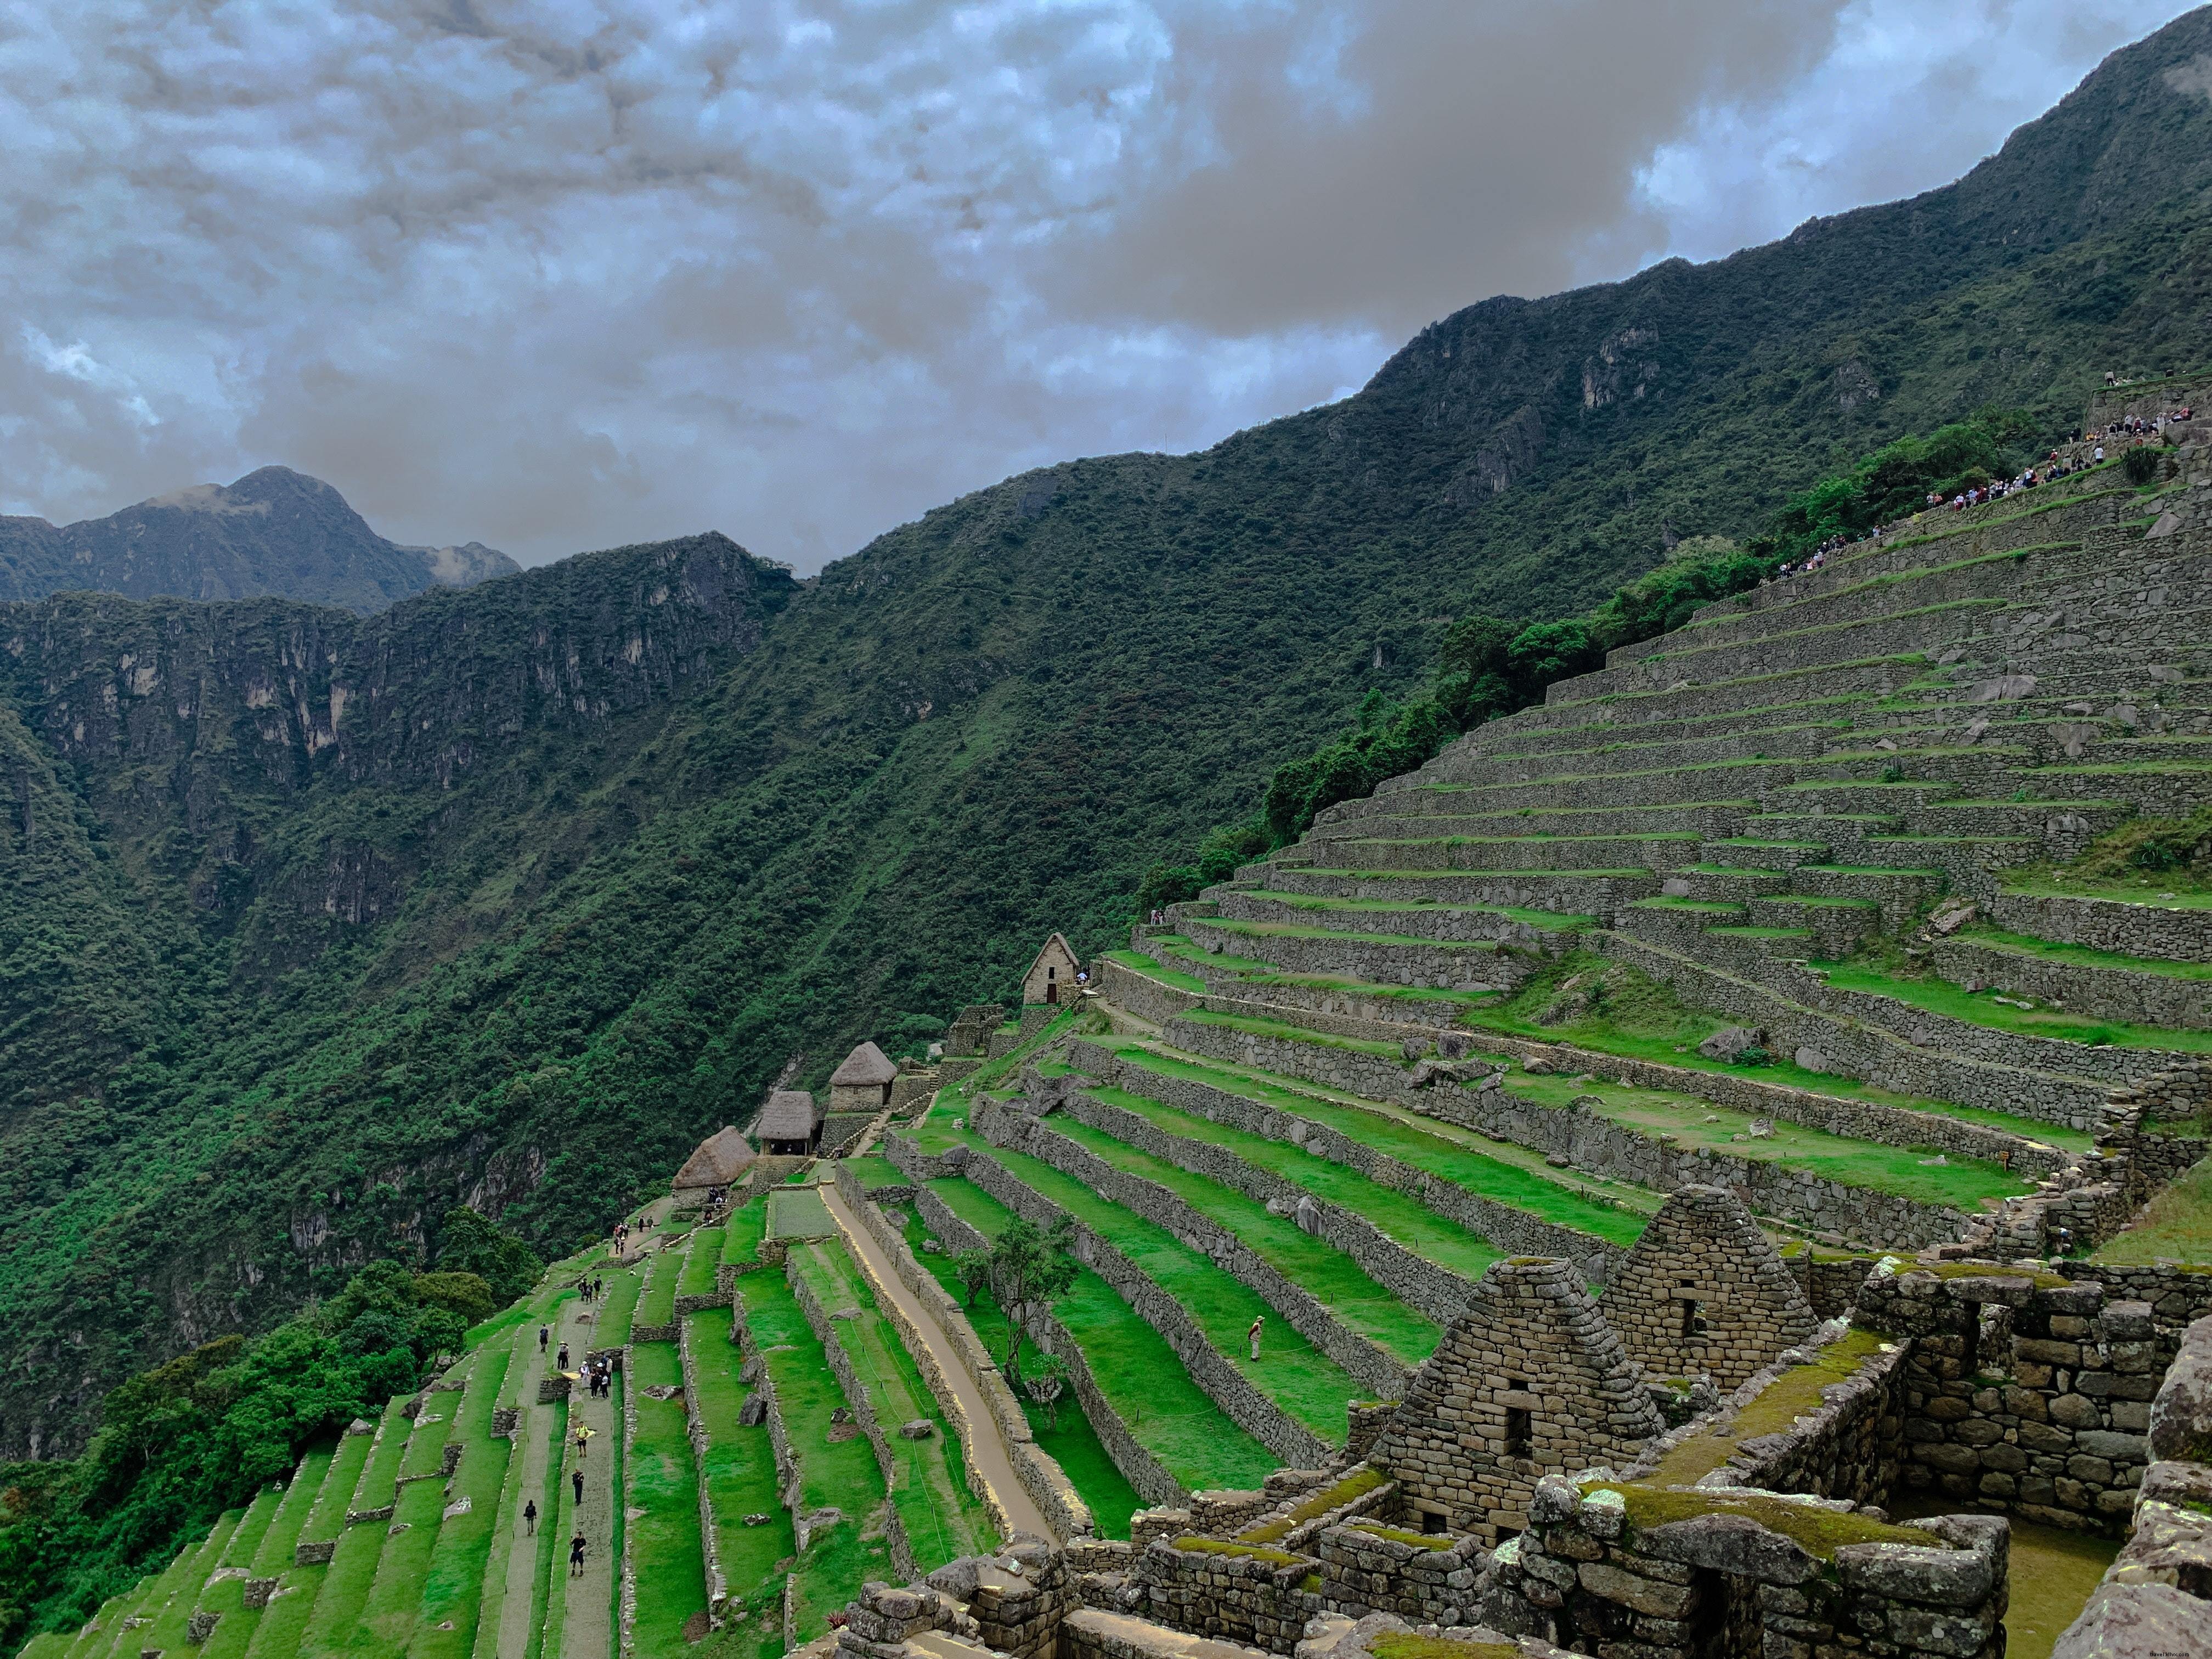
(705, 1255)
(1495, 1169)
(656, 1302)
(387, 1615)
(799, 1212)
(1311, 1388)
(1941, 996)
(1404, 1217)
(1267, 930)
(1331, 1275)
(1150, 968)
(943, 1518)
(661, 1496)
(741, 1233)
(839, 1474)
(1647, 1023)
(1958, 1182)
(226, 1597)
(1548, 921)
(876, 1170)
(167, 1629)
(333, 1623)
(2176, 1225)
(1136, 1371)
(2151, 888)
(283, 1623)
(453, 1582)
(272, 1556)
(2084, 956)
(740, 1473)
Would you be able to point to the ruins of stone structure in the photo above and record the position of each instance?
(1051, 974)
(717, 1164)
(1704, 1292)
(790, 1123)
(862, 1082)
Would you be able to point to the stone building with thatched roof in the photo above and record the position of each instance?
(719, 1161)
(789, 1125)
(863, 1082)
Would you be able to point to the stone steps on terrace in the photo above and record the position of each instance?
(1441, 922)
(1924, 630)
(2148, 927)
(1384, 958)
(1445, 812)
(1745, 989)
(1504, 852)
(1987, 575)
(1570, 892)
(2105, 985)
(1518, 736)
(1577, 700)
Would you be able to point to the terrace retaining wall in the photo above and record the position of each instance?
(864, 1411)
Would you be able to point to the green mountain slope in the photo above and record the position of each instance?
(509, 894)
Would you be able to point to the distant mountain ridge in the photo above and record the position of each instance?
(274, 532)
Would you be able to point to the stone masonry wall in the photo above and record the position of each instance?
(864, 1409)
(1703, 1291)
(1233, 1592)
(1511, 1230)
(1425, 1580)
(2147, 930)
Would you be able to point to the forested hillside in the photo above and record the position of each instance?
(315, 925)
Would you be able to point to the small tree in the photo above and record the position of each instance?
(1046, 1381)
(1029, 1267)
(973, 1269)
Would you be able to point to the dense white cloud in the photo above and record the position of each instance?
(555, 274)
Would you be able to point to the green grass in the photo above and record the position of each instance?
(944, 1520)
(1138, 1374)
(548, 1611)
(876, 1170)
(612, 1318)
(705, 1255)
(1309, 1386)
(453, 1588)
(799, 1214)
(742, 1234)
(1338, 1282)
(2084, 956)
(352, 1571)
(1778, 1405)
(184, 1582)
(283, 1623)
(1137, 962)
(659, 1479)
(226, 1597)
(2176, 1225)
(842, 1474)
(1286, 1032)
(1941, 996)
(740, 1472)
(1611, 1210)
(656, 1302)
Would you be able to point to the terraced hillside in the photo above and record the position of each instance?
(776, 1431)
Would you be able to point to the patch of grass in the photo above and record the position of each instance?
(352, 1570)
(182, 1590)
(841, 1474)
(1778, 1405)
(1819, 1532)
(453, 1582)
(2084, 956)
(2175, 1225)
(1287, 1033)
(798, 1214)
(700, 1260)
(1320, 1503)
(1549, 921)
(1941, 996)
(1411, 1644)
(656, 1302)
(742, 1234)
(1138, 963)
(739, 1475)
(1138, 1374)
(659, 1479)
(1328, 1273)
(874, 1171)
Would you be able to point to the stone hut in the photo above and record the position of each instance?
(1704, 1291)
(1529, 1381)
(863, 1082)
(719, 1161)
(789, 1125)
(1051, 977)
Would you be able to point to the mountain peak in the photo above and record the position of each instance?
(272, 531)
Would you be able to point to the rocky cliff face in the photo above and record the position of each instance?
(273, 532)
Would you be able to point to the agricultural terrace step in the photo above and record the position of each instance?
(1566, 892)
(1838, 925)
(1754, 994)
(2101, 983)
(1898, 891)
(1638, 752)
(1521, 735)
(1513, 852)
(1452, 922)
(1445, 813)
(1249, 978)
(2174, 790)
(1968, 861)
(1384, 958)
(1988, 576)
(1909, 629)
(2179, 930)
(1722, 882)
(1748, 852)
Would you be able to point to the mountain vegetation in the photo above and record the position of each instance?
(274, 530)
(314, 925)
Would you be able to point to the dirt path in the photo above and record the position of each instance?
(985, 1444)
(587, 1630)
(531, 1448)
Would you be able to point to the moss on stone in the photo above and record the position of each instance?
(1409, 1644)
(1231, 1546)
(1320, 1503)
(1819, 1532)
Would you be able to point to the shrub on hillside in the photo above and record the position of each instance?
(2140, 464)
(469, 1243)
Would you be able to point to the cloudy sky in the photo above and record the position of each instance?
(560, 274)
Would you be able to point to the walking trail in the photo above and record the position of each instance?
(986, 1445)
(533, 1449)
(589, 1629)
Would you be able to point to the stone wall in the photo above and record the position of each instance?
(694, 1426)
(1511, 1230)
(1437, 1291)
(1139, 1466)
(2023, 1392)
(1666, 1575)
(1243, 1593)
(1368, 1567)
(2142, 930)
(2156, 1599)
(1038, 1471)
(2143, 998)
(1703, 1292)
(1142, 995)
(2178, 1293)
(1529, 1380)
(1222, 1382)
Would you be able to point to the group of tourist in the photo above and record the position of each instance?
(2135, 426)
(599, 1377)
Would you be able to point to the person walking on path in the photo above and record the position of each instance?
(577, 1477)
(583, 1438)
(545, 1335)
(560, 1363)
(1254, 1333)
(576, 1556)
(529, 1518)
